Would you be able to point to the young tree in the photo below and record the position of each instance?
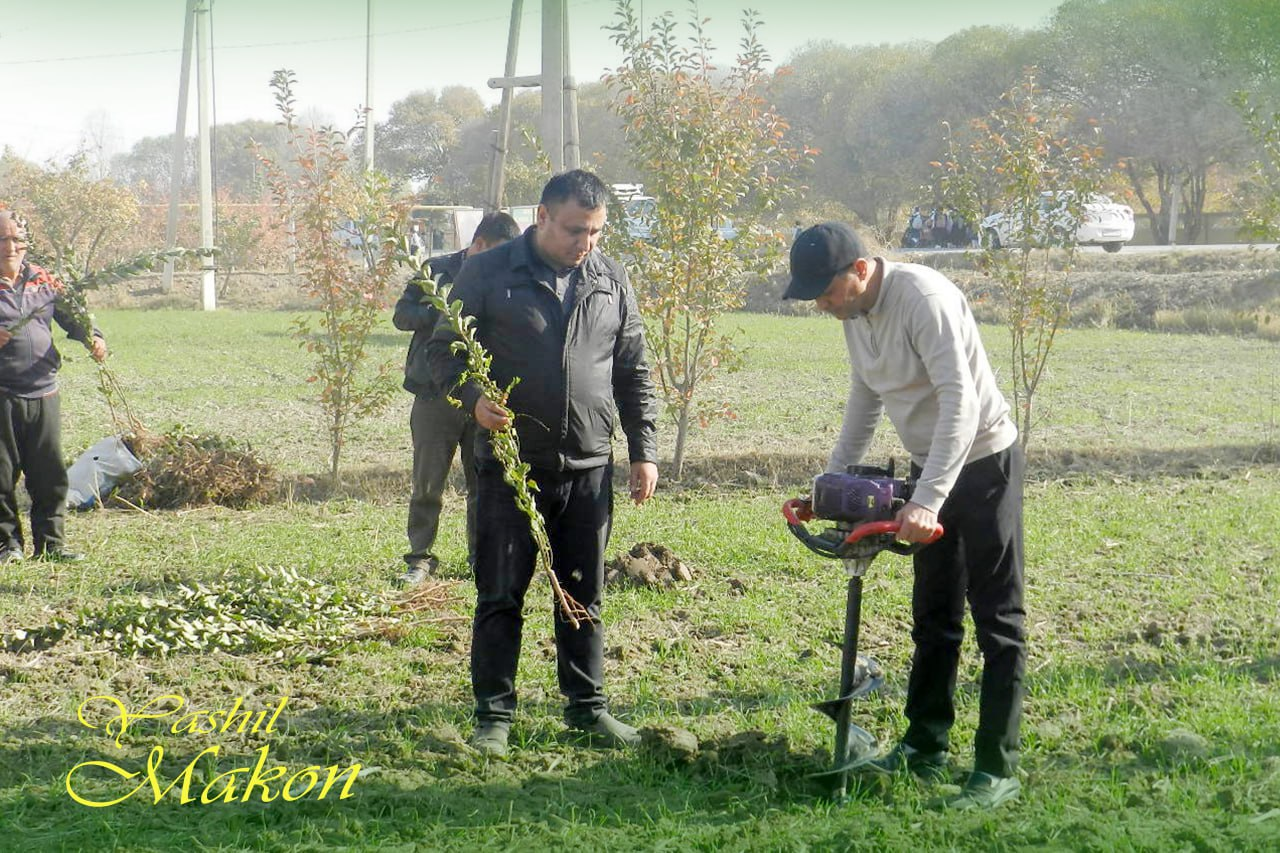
(709, 148)
(1260, 191)
(1023, 155)
(339, 217)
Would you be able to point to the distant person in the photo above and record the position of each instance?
(417, 241)
(439, 429)
(916, 355)
(939, 228)
(915, 227)
(556, 313)
(30, 420)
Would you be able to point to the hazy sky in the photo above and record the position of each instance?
(106, 72)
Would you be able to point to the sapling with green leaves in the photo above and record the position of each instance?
(1024, 158)
(710, 147)
(337, 214)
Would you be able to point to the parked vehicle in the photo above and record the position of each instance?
(1101, 222)
(447, 228)
(638, 213)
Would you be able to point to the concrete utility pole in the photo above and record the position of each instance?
(197, 21)
(208, 287)
(497, 169)
(179, 151)
(552, 125)
(570, 99)
(559, 118)
(368, 85)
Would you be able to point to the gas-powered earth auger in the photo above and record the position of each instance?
(862, 502)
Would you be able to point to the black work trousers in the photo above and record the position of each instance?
(31, 445)
(979, 558)
(439, 431)
(578, 509)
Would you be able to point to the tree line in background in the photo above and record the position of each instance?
(1159, 78)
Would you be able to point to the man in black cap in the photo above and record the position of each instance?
(917, 356)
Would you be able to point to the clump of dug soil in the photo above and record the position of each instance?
(647, 564)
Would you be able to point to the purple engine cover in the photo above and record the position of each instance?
(853, 498)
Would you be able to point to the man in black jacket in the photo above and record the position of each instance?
(562, 317)
(439, 428)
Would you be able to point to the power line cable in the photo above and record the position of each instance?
(252, 45)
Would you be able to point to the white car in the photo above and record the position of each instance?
(639, 213)
(1103, 222)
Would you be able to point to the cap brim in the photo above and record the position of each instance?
(806, 288)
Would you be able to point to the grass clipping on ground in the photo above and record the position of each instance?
(183, 469)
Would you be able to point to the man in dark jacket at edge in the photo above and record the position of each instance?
(30, 419)
(438, 427)
(562, 317)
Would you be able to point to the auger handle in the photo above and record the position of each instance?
(797, 511)
(879, 528)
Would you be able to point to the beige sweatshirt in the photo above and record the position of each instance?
(917, 356)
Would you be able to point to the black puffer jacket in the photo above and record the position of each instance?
(412, 314)
(573, 370)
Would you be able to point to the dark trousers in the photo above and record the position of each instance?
(31, 444)
(578, 508)
(979, 559)
(439, 430)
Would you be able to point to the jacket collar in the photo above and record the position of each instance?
(886, 269)
(28, 274)
(525, 256)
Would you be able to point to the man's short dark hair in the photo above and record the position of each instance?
(581, 186)
(496, 227)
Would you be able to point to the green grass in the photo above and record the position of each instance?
(1152, 509)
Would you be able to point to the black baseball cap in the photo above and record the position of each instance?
(818, 254)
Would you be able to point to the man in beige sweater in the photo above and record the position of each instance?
(916, 355)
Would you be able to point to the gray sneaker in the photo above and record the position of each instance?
(984, 791)
(418, 571)
(607, 730)
(60, 555)
(929, 766)
(490, 738)
(9, 555)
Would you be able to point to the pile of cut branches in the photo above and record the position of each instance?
(183, 469)
(277, 612)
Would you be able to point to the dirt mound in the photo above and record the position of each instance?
(647, 564)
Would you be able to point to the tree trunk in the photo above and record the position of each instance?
(682, 433)
(1193, 207)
